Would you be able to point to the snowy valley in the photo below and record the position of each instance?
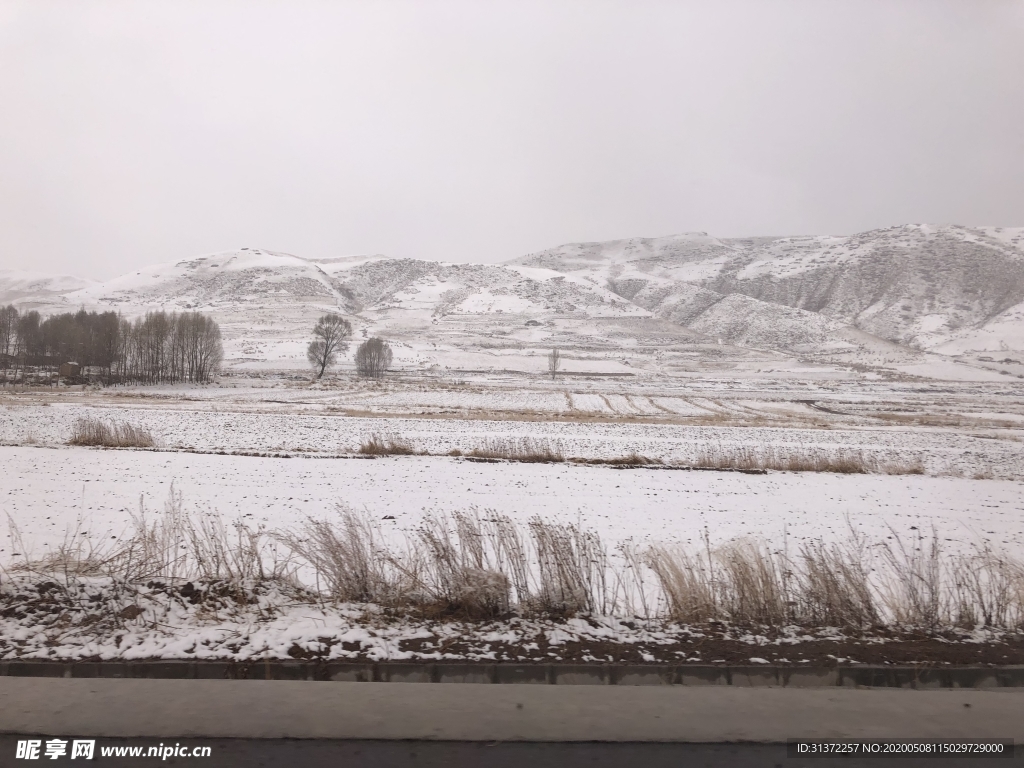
(773, 400)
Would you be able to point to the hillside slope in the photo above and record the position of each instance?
(687, 303)
(29, 289)
(435, 314)
(919, 285)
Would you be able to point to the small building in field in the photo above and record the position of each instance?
(69, 370)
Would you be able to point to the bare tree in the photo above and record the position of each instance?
(8, 332)
(331, 332)
(373, 358)
(554, 361)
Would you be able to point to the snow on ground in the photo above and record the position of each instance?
(107, 621)
(46, 491)
(323, 433)
(950, 371)
(49, 490)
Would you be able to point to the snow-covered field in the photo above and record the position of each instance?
(275, 453)
(295, 428)
(84, 495)
(303, 434)
(51, 492)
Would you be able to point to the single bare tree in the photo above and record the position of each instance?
(330, 332)
(373, 358)
(554, 361)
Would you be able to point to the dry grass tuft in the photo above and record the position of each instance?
(386, 445)
(76, 556)
(987, 589)
(172, 548)
(572, 568)
(458, 566)
(746, 457)
(853, 585)
(350, 562)
(524, 449)
(687, 583)
(463, 569)
(752, 587)
(912, 587)
(90, 431)
(833, 587)
(633, 459)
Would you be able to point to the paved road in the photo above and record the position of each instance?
(309, 710)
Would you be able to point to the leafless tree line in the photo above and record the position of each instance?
(159, 347)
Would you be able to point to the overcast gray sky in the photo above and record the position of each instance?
(138, 132)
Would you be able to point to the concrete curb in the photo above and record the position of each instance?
(543, 674)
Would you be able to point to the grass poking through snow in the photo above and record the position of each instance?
(386, 445)
(90, 431)
(744, 457)
(483, 566)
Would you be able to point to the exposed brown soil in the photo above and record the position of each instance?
(922, 649)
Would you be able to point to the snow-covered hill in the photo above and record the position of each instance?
(887, 298)
(28, 288)
(436, 314)
(255, 279)
(244, 277)
(950, 288)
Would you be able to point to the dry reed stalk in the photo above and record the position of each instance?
(461, 570)
(156, 548)
(240, 555)
(350, 563)
(912, 589)
(167, 548)
(832, 586)
(386, 445)
(523, 449)
(988, 589)
(687, 583)
(510, 555)
(74, 557)
(90, 431)
(745, 457)
(176, 546)
(632, 581)
(751, 588)
(572, 567)
(632, 459)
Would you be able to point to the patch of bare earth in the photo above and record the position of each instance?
(704, 645)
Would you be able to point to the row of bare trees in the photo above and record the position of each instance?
(163, 347)
(330, 339)
(159, 347)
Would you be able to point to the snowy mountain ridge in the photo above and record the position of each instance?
(948, 288)
(892, 294)
(18, 286)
